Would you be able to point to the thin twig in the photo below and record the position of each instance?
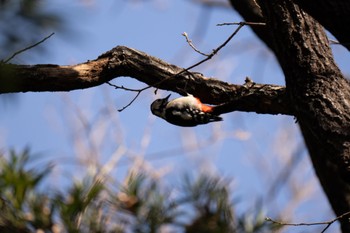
(215, 51)
(27, 48)
(192, 46)
(213, 3)
(328, 223)
(333, 41)
(126, 88)
(129, 89)
(245, 23)
(337, 42)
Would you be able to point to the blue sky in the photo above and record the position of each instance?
(249, 148)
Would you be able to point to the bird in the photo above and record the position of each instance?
(184, 111)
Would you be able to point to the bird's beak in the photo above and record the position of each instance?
(166, 98)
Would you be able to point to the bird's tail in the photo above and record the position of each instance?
(215, 118)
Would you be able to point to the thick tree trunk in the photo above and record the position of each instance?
(319, 94)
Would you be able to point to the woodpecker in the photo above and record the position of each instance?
(184, 111)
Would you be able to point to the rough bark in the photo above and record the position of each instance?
(251, 12)
(319, 94)
(333, 15)
(124, 61)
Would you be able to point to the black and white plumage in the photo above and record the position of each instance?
(184, 111)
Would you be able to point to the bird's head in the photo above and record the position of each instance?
(158, 106)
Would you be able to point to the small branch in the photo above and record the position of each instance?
(192, 46)
(215, 51)
(245, 23)
(328, 223)
(208, 56)
(122, 61)
(129, 89)
(335, 42)
(132, 101)
(27, 48)
(213, 3)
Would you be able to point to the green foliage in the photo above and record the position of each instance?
(22, 207)
(254, 221)
(146, 206)
(77, 208)
(141, 205)
(211, 201)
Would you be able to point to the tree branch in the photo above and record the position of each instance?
(27, 48)
(327, 223)
(124, 61)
